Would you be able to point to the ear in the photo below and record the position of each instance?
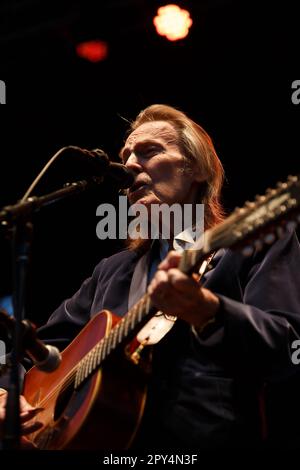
(199, 175)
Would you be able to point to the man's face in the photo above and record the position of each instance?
(153, 154)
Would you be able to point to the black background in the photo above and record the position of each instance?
(232, 74)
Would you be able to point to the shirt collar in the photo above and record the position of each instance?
(182, 241)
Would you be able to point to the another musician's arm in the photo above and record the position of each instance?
(27, 413)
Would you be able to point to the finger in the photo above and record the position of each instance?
(29, 414)
(159, 279)
(24, 405)
(3, 392)
(26, 444)
(30, 427)
(3, 399)
(183, 283)
(162, 292)
(170, 302)
(171, 261)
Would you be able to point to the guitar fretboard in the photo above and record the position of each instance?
(123, 330)
(128, 326)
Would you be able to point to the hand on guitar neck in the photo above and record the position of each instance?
(175, 293)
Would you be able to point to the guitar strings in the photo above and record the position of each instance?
(63, 385)
(132, 314)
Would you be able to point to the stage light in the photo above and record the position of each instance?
(173, 22)
(94, 51)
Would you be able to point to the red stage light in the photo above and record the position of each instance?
(94, 51)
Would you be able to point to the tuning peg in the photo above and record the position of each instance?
(239, 210)
(281, 209)
(258, 244)
(249, 204)
(291, 202)
(271, 192)
(280, 231)
(281, 185)
(269, 238)
(258, 222)
(260, 198)
(237, 234)
(249, 229)
(270, 215)
(248, 250)
(292, 178)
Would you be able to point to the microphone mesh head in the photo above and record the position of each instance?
(122, 175)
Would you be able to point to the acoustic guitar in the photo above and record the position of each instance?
(96, 398)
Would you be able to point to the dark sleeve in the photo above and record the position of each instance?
(66, 321)
(69, 318)
(259, 332)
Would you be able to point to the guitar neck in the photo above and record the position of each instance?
(130, 324)
(123, 331)
(192, 259)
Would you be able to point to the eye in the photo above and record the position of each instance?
(152, 150)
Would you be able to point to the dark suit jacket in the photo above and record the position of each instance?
(204, 396)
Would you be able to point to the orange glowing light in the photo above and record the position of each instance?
(173, 22)
(94, 51)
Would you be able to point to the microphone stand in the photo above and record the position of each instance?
(21, 244)
(17, 218)
(25, 209)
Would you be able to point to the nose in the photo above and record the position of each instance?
(132, 163)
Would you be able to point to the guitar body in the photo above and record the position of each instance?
(104, 412)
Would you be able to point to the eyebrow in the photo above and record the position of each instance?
(141, 143)
(169, 139)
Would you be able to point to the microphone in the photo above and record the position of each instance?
(100, 164)
(122, 175)
(87, 164)
(45, 357)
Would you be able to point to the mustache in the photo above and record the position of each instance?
(139, 182)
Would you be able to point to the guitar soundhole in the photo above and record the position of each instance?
(63, 400)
